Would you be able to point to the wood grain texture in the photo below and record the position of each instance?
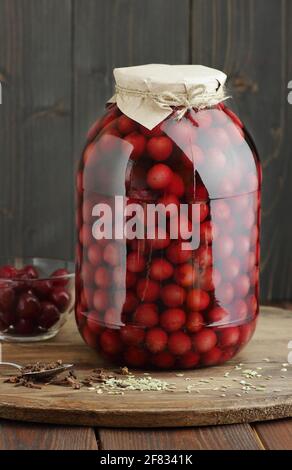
(36, 178)
(275, 435)
(18, 436)
(207, 404)
(250, 40)
(56, 61)
(229, 437)
(120, 33)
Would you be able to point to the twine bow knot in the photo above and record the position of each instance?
(186, 100)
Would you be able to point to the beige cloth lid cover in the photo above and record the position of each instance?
(148, 93)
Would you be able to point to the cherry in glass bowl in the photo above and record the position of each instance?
(36, 297)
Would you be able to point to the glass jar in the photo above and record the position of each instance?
(36, 297)
(168, 238)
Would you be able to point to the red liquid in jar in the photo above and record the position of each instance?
(148, 303)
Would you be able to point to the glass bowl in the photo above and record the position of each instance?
(36, 297)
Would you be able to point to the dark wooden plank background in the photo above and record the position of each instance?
(56, 61)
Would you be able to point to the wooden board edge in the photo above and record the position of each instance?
(140, 419)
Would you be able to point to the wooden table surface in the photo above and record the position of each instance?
(257, 436)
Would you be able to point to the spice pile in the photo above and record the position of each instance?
(99, 379)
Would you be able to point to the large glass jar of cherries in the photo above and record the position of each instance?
(168, 193)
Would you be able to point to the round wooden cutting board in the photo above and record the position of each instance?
(216, 395)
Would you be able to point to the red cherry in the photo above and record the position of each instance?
(62, 277)
(30, 272)
(159, 148)
(89, 337)
(224, 293)
(100, 299)
(172, 295)
(135, 357)
(147, 290)
(189, 360)
(212, 357)
(227, 354)
(179, 343)
(8, 272)
(246, 332)
(28, 306)
(110, 342)
(135, 262)
(50, 315)
(156, 340)
(194, 322)
(176, 186)
(102, 277)
(177, 254)
(7, 297)
(94, 254)
(110, 115)
(112, 317)
(241, 285)
(43, 288)
(163, 360)
(132, 335)
(228, 336)
(224, 246)
(138, 143)
(172, 319)
(93, 323)
(209, 279)
(24, 326)
(61, 298)
(185, 275)
(230, 268)
(217, 315)
(159, 176)
(204, 340)
(126, 125)
(160, 269)
(197, 299)
(146, 315)
(111, 254)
